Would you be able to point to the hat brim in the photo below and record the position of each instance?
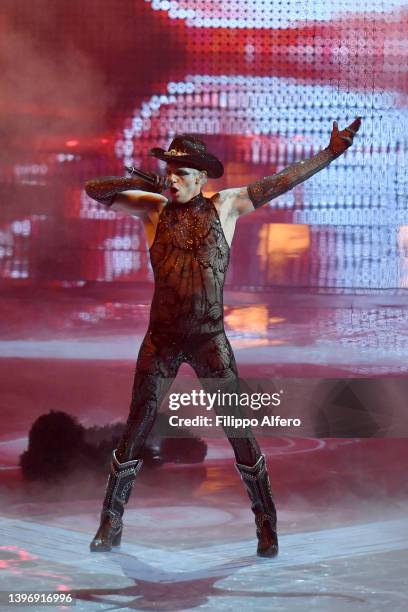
(207, 162)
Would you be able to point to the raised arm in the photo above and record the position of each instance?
(246, 199)
(127, 194)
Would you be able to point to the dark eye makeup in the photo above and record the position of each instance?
(179, 172)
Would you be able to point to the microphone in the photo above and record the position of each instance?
(155, 180)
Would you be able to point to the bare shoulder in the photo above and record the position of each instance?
(233, 202)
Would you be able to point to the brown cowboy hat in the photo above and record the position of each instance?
(191, 152)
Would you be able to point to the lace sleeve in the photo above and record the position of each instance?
(270, 187)
(105, 188)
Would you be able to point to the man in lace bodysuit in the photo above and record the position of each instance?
(189, 239)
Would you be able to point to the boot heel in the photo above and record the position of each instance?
(256, 480)
(117, 492)
(116, 540)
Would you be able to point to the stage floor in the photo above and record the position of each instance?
(75, 350)
(189, 540)
(190, 544)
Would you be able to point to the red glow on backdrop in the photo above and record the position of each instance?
(261, 82)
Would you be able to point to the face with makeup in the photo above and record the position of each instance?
(184, 182)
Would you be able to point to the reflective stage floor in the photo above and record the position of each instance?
(189, 540)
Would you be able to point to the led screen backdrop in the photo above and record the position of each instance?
(261, 82)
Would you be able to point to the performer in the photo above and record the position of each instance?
(189, 238)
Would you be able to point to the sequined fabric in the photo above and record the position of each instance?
(270, 187)
(105, 188)
(189, 256)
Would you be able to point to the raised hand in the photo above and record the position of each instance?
(340, 141)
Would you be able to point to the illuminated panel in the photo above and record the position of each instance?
(264, 13)
(15, 248)
(261, 81)
(271, 123)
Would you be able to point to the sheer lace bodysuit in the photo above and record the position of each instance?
(189, 256)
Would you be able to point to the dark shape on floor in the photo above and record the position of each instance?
(59, 445)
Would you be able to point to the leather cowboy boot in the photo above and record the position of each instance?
(256, 480)
(118, 488)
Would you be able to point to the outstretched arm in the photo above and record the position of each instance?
(246, 199)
